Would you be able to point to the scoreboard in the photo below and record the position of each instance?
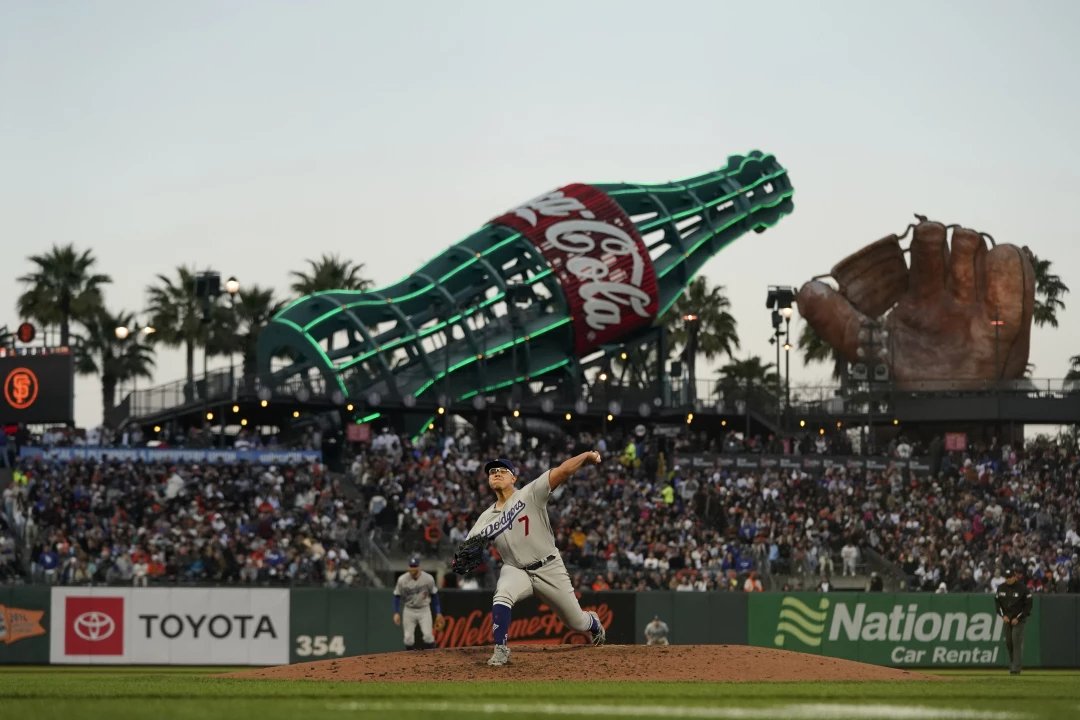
(38, 385)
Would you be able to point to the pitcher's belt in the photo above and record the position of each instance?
(539, 563)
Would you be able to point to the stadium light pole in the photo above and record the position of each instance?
(787, 312)
(232, 287)
(693, 323)
(779, 300)
(777, 321)
(124, 333)
(207, 288)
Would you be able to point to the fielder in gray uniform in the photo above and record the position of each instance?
(518, 524)
(421, 596)
(656, 632)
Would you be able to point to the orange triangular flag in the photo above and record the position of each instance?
(19, 623)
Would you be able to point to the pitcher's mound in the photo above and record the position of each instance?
(715, 663)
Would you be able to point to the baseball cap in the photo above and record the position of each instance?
(500, 462)
(414, 562)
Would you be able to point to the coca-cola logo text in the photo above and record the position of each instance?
(599, 258)
(602, 296)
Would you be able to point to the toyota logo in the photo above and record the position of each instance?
(94, 626)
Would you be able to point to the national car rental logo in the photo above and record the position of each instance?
(94, 626)
(800, 621)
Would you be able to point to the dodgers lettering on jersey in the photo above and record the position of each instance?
(521, 529)
(416, 593)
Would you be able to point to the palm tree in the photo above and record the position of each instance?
(329, 272)
(176, 314)
(62, 289)
(1074, 368)
(750, 373)
(254, 310)
(699, 323)
(1049, 289)
(743, 380)
(101, 353)
(816, 350)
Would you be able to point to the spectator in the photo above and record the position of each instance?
(753, 584)
(849, 554)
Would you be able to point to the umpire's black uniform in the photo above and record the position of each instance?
(1014, 603)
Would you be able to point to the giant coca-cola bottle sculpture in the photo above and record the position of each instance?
(520, 302)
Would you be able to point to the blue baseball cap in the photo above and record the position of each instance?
(414, 562)
(500, 462)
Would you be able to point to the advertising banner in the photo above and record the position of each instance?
(902, 629)
(956, 441)
(468, 615)
(169, 626)
(171, 455)
(23, 635)
(810, 464)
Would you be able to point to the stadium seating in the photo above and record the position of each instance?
(635, 523)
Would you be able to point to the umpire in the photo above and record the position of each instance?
(1014, 606)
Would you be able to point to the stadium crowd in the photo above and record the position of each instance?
(638, 522)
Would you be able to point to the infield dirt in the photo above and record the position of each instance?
(715, 663)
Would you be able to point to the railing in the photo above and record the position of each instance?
(759, 402)
(214, 388)
(709, 392)
(375, 557)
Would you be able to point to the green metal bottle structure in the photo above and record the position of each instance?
(525, 300)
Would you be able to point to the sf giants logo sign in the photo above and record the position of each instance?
(600, 259)
(20, 388)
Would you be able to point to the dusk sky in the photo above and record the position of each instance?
(249, 136)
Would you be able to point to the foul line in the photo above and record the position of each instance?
(811, 711)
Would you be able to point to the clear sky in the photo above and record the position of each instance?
(249, 136)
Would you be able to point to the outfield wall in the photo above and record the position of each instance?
(270, 626)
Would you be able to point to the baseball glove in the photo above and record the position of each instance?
(959, 316)
(440, 623)
(469, 555)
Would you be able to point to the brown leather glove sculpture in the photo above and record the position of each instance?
(958, 317)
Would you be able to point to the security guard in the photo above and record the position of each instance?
(1014, 606)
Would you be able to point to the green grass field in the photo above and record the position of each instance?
(86, 693)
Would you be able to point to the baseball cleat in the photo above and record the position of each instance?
(501, 656)
(600, 636)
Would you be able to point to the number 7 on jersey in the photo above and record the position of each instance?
(525, 519)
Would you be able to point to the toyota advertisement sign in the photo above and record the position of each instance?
(95, 626)
(169, 626)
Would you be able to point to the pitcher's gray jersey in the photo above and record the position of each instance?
(416, 594)
(521, 531)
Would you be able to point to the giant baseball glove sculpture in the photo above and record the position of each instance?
(958, 316)
(469, 555)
